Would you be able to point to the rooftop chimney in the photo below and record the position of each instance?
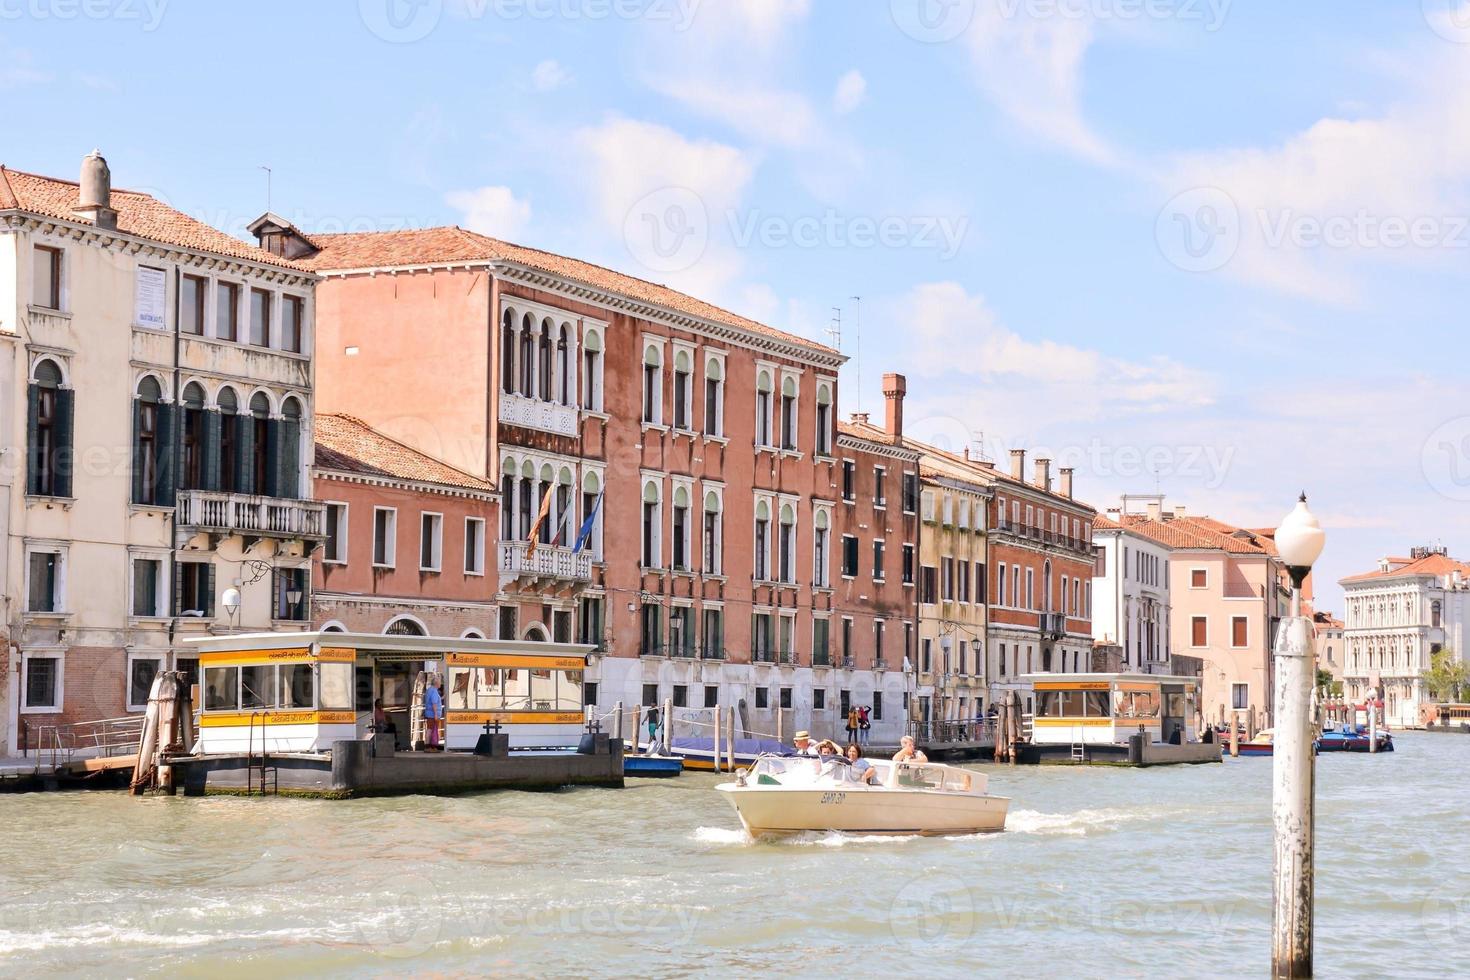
(894, 387)
(1178, 510)
(1156, 510)
(1066, 483)
(1042, 477)
(94, 196)
(1018, 464)
(860, 417)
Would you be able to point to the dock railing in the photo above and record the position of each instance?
(107, 738)
(951, 732)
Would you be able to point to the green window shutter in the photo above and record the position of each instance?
(208, 604)
(33, 439)
(166, 443)
(139, 491)
(211, 450)
(290, 468)
(245, 453)
(178, 602)
(275, 449)
(65, 455)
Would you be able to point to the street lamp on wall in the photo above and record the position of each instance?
(231, 601)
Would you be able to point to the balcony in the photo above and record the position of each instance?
(546, 562)
(221, 513)
(1054, 624)
(533, 413)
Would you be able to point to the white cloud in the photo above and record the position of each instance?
(494, 211)
(852, 88)
(549, 75)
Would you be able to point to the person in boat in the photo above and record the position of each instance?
(860, 770)
(908, 752)
(802, 742)
(826, 748)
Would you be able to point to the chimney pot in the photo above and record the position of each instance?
(895, 386)
(1155, 510)
(1018, 464)
(1042, 475)
(1178, 510)
(1066, 484)
(94, 192)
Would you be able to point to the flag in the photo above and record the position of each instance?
(540, 516)
(563, 521)
(584, 534)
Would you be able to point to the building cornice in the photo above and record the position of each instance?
(418, 486)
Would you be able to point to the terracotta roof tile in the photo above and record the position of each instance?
(448, 244)
(1197, 533)
(137, 214)
(1428, 565)
(351, 445)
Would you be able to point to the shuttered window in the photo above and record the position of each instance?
(1199, 633)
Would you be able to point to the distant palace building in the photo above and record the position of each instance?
(1395, 618)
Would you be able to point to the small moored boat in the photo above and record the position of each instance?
(783, 795)
(1349, 738)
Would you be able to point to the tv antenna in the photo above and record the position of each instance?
(267, 186)
(858, 356)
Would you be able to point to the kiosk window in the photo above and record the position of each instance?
(337, 687)
(1097, 704)
(543, 689)
(220, 689)
(298, 686)
(255, 686)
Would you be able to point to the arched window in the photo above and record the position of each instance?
(786, 545)
(405, 626)
(563, 366)
(548, 479)
(824, 420)
(508, 352)
(788, 413)
(592, 371)
(49, 432)
(525, 496)
(152, 464)
(562, 515)
(821, 543)
(591, 509)
(712, 533)
(763, 393)
(653, 387)
(683, 391)
(288, 459)
(652, 546)
(528, 356)
(508, 501)
(1434, 615)
(544, 387)
(228, 455)
(714, 398)
(680, 552)
(260, 444)
(194, 447)
(762, 542)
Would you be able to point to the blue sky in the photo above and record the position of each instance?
(1209, 246)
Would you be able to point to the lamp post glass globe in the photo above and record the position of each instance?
(231, 601)
(1299, 540)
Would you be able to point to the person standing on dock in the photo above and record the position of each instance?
(433, 713)
(865, 723)
(852, 725)
(653, 729)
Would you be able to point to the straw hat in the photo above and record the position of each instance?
(802, 735)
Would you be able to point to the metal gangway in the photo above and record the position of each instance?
(109, 743)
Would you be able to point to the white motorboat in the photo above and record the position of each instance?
(790, 794)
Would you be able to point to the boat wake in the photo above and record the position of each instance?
(810, 838)
(1078, 824)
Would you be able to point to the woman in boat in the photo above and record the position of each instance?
(861, 770)
(827, 747)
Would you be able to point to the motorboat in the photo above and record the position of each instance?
(1261, 743)
(791, 794)
(1350, 738)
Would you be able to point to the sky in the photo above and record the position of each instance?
(1206, 248)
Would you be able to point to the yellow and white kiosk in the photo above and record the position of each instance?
(301, 692)
(1093, 717)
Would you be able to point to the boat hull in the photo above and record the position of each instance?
(652, 766)
(860, 810)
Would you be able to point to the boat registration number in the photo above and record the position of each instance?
(833, 797)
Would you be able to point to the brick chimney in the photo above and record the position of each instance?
(894, 387)
(1155, 510)
(1066, 482)
(1018, 464)
(1042, 477)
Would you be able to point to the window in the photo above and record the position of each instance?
(683, 391)
(785, 698)
(651, 635)
(880, 489)
(141, 673)
(714, 398)
(1197, 578)
(849, 556)
(946, 579)
(230, 424)
(152, 466)
(147, 596)
(879, 631)
(1030, 588)
(194, 589)
(1000, 585)
(760, 637)
(849, 480)
(652, 546)
(650, 695)
(824, 421)
(928, 584)
(877, 705)
(226, 311)
(712, 695)
(431, 542)
(49, 433)
(1239, 631)
(786, 545)
(289, 594)
(589, 621)
(385, 537)
(291, 312)
(591, 371)
(681, 529)
(47, 283)
(819, 699)
(877, 559)
(1240, 696)
(788, 414)
(908, 564)
(42, 683)
(910, 493)
(712, 533)
(652, 385)
(257, 457)
(763, 394)
(821, 642)
(1198, 631)
(762, 541)
(506, 622)
(681, 631)
(335, 549)
(474, 546)
(821, 578)
(962, 576)
(194, 449)
(681, 696)
(846, 642)
(260, 318)
(713, 640)
(192, 303)
(43, 581)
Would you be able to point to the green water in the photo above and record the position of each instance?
(1102, 872)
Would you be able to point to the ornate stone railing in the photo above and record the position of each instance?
(532, 413)
(546, 562)
(238, 513)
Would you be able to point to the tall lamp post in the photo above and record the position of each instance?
(1299, 541)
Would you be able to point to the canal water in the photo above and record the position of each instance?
(1101, 872)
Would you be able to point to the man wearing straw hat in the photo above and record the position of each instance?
(802, 742)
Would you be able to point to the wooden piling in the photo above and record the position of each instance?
(1372, 726)
(730, 738)
(716, 742)
(1235, 735)
(668, 726)
(620, 720)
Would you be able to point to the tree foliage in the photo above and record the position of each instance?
(1447, 676)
